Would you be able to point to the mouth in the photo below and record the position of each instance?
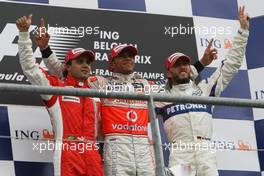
(183, 72)
(85, 71)
(127, 63)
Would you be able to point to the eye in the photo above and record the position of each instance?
(88, 61)
(130, 55)
(84, 60)
(122, 55)
(125, 55)
(79, 61)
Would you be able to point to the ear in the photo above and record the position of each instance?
(169, 74)
(68, 68)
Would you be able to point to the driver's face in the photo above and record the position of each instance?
(124, 62)
(180, 72)
(80, 68)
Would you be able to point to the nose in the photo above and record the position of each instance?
(183, 67)
(86, 62)
(127, 59)
(85, 65)
(128, 56)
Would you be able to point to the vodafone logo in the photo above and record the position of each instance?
(132, 116)
(127, 127)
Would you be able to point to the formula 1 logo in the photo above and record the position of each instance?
(132, 116)
(59, 43)
(7, 36)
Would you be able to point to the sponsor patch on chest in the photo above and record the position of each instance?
(71, 99)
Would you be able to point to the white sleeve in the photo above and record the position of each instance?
(28, 63)
(194, 73)
(97, 82)
(218, 81)
(54, 65)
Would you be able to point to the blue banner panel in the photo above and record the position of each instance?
(137, 5)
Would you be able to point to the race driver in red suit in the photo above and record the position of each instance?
(74, 119)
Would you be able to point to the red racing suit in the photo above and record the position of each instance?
(74, 119)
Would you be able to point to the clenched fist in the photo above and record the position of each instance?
(23, 23)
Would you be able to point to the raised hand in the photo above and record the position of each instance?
(243, 18)
(23, 23)
(209, 55)
(42, 37)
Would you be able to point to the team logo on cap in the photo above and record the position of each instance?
(77, 50)
(172, 57)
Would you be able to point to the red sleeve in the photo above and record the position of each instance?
(54, 82)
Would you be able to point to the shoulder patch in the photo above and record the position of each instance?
(92, 78)
(151, 82)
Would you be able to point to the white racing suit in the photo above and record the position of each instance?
(189, 126)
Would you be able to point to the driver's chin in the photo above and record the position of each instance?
(184, 77)
(183, 81)
(127, 72)
(83, 77)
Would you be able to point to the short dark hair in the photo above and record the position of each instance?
(65, 72)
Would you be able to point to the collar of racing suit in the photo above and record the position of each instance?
(182, 87)
(75, 83)
(124, 77)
